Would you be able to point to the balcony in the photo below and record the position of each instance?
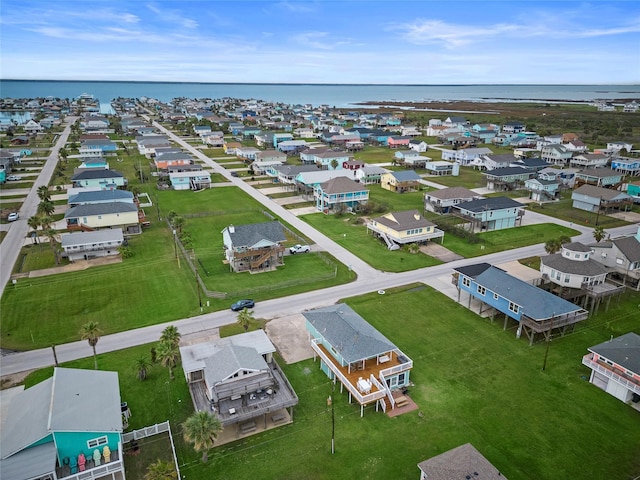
(374, 370)
(609, 372)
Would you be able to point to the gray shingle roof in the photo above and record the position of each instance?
(599, 192)
(492, 203)
(349, 334)
(508, 171)
(629, 246)
(460, 463)
(623, 350)
(73, 400)
(229, 360)
(536, 303)
(252, 233)
(453, 192)
(91, 209)
(101, 196)
(95, 173)
(406, 175)
(587, 268)
(86, 238)
(341, 185)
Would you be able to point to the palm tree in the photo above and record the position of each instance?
(160, 470)
(50, 233)
(171, 335)
(414, 248)
(599, 234)
(34, 223)
(91, 332)
(142, 368)
(245, 318)
(201, 429)
(334, 164)
(46, 207)
(168, 355)
(43, 193)
(552, 246)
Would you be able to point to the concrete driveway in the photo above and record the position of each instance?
(290, 337)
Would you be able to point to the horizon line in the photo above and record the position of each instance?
(315, 83)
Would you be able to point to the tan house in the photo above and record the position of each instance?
(401, 181)
(404, 227)
(104, 215)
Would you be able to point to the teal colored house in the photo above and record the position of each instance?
(494, 213)
(362, 359)
(105, 179)
(57, 428)
(633, 190)
(339, 193)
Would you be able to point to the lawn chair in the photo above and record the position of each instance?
(106, 453)
(82, 460)
(96, 457)
(73, 465)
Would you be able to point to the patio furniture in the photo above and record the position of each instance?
(73, 465)
(96, 457)
(106, 453)
(82, 460)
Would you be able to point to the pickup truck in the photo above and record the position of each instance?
(299, 249)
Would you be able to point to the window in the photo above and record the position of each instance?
(496, 296)
(466, 282)
(481, 290)
(96, 442)
(567, 278)
(513, 307)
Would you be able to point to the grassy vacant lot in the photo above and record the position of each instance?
(397, 201)
(500, 240)
(468, 178)
(473, 381)
(375, 155)
(149, 289)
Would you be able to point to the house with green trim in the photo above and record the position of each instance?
(53, 429)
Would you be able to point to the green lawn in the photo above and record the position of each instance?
(375, 155)
(507, 239)
(149, 289)
(354, 237)
(473, 382)
(397, 201)
(564, 210)
(468, 178)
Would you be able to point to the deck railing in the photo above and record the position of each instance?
(589, 362)
(101, 471)
(362, 399)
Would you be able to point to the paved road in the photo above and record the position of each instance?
(12, 243)
(369, 280)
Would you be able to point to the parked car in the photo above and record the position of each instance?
(234, 174)
(13, 217)
(242, 304)
(299, 249)
(14, 178)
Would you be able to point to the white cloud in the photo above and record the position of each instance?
(423, 32)
(172, 16)
(318, 40)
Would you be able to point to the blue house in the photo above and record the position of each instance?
(339, 193)
(57, 427)
(627, 166)
(535, 310)
(353, 352)
(493, 213)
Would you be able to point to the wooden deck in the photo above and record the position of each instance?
(365, 369)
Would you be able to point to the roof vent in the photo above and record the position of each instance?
(232, 229)
(416, 216)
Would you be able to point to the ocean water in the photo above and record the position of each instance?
(315, 94)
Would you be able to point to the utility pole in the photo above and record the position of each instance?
(333, 424)
(195, 266)
(546, 353)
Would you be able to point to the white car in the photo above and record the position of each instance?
(14, 178)
(299, 249)
(13, 217)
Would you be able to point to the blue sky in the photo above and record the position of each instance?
(323, 41)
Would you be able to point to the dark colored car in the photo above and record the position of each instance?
(242, 304)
